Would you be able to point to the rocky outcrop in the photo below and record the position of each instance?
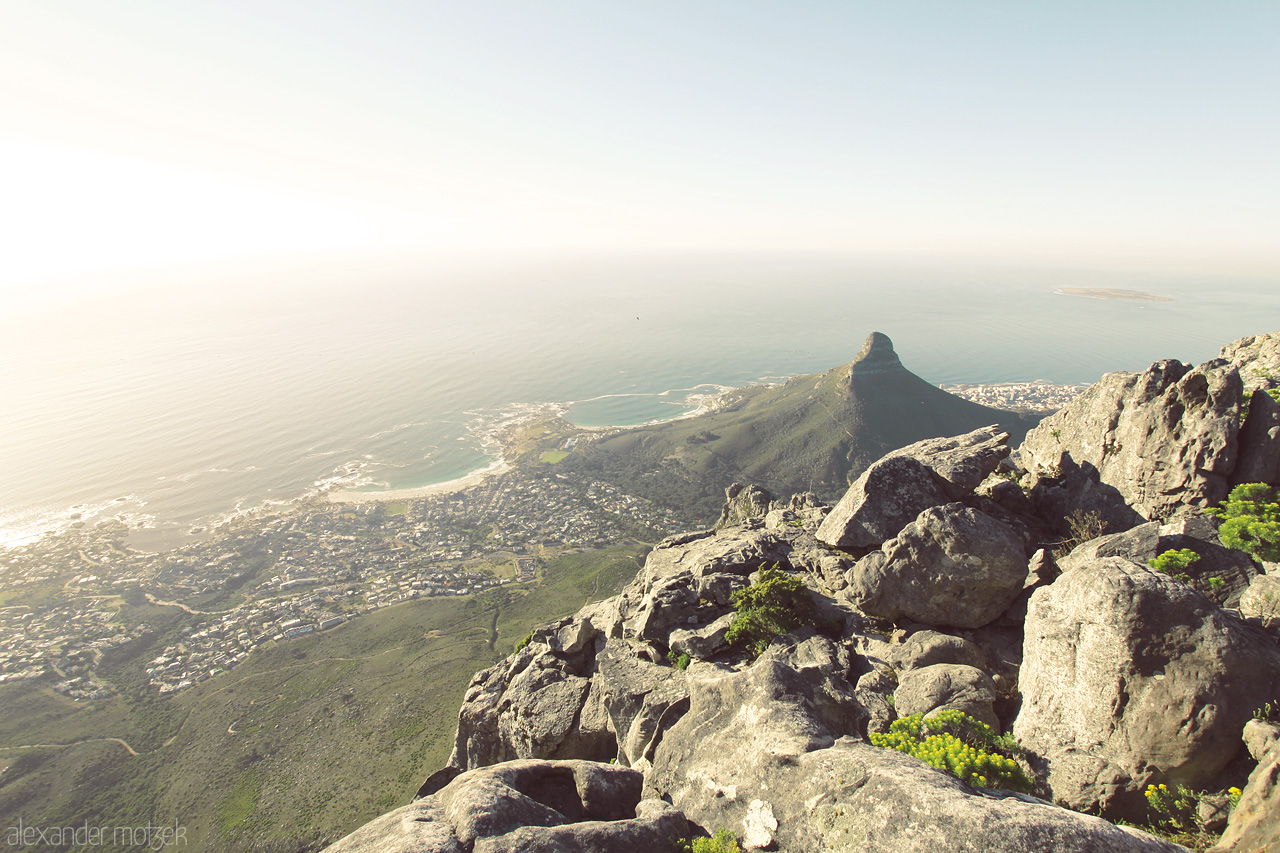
(893, 491)
(526, 806)
(757, 737)
(1220, 573)
(1259, 460)
(1257, 358)
(743, 504)
(1130, 678)
(951, 566)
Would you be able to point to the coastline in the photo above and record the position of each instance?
(467, 481)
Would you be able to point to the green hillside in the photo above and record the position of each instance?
(304, 741)
(813, 433)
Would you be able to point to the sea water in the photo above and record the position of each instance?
(175, 407)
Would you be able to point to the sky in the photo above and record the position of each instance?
(145, 135)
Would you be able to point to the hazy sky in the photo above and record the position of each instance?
(140, 133)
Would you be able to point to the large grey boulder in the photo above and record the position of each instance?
(894, 490)
(1165, 438)
(1130, 678)
(947, 687)
(926, 648)
(526, 806)
(755, 742)
(951, 566)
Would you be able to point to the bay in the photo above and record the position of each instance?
(174, 407)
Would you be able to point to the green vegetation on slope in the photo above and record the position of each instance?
(297, 744)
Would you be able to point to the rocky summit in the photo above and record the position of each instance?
(956, 577)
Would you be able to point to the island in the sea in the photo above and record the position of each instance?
(1112, 293)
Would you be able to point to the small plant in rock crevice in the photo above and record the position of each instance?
(1268, 712)
(1174, 562)
(775, 604)
(723, 841)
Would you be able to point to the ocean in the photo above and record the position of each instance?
(176, 407)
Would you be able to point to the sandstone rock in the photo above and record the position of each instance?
(1130, 677)
(1064, 492)
(926, 648)
(1259, 737)
(951, 566)
(1233, 570)
(962, 461)
(894, 490)
(1259, 439)
(1253, 826)
(703, 643)
(1257, 358)
(643, 699)
(743, 505)
(1262, 601)
(1165, 438)
(881, 502)
(947, 687)
(733, 551)
(526, 806)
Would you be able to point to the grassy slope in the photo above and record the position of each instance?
(303, 742)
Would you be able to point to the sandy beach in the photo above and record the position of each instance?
(475, 478)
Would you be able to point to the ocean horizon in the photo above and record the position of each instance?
(175, 409)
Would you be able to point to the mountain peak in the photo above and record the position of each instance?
(876, 356)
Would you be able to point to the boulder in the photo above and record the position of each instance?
(1130, 678)
(952, 566)
(527, 706)
(1259, 460)
(898, 487)
(526, 806)
(947, 687)
(881, 502)
(1259, 737)
(926, 648)
(1066, 497)
(1165, 438)
(1257, 358)
(1261, 601)
(744, 505)
(703, 643)
(1253, 825)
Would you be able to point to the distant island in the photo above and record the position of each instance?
(1112, 293)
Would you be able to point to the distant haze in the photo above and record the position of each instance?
(139, 138)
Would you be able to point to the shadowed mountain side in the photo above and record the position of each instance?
(813, 433)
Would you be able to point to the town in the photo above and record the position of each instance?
(1038, 396)
(279, 574)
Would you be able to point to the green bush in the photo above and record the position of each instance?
(960, 745)
(1251, 521)
(722, 842)
(774, 605)
(679, 661)
(1174, 562)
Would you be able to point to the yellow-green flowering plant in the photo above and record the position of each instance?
(962, 746)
